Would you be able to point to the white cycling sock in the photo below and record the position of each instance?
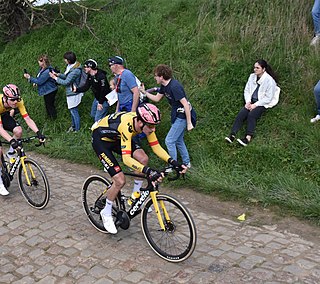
(108, 208)
(137, 185)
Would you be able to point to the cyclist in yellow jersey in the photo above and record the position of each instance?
(11, 99)
(114, 133)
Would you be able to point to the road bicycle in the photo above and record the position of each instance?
(168, 226)
(32, 180)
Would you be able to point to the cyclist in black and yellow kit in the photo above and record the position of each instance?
(11, 99)
(114, 133)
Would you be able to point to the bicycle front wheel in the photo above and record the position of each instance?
(93, 200)
(178, 240)
(34, 184)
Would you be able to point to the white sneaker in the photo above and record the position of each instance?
(315, 40)
(315, 119)
(3, 190)
(108, 223)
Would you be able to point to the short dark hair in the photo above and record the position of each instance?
(163, 70)
(70, 56)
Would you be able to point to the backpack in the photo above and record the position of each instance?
(83, 78)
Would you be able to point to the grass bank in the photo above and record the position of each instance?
(211, 46)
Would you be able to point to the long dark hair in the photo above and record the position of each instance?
(264, 64)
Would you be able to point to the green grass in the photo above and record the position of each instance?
(212, 46)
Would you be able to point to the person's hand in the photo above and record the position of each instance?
(253, 106)
(74, 88)
(247, 105)
(190, 126)
(180, 167)
(26, 75)
(41, 137)
(53, 75)
(154, 175)
(14, 143)
(99, 107)
(142, 89)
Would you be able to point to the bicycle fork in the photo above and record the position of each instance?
(33, 176)
(153, 195)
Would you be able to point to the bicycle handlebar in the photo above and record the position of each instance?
(26, 140)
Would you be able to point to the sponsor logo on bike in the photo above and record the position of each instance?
(14, 166)
(136, 207)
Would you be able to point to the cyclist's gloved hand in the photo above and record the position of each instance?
(154, 175)
(14, 143)
(41, 137)
(175, 164)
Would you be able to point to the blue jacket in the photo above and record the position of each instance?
(72, 77)
(46, 84)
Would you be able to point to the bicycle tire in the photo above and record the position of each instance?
(179, 239)
(38, 193)
(92, 190)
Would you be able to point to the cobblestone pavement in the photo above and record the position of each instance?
(59, 245)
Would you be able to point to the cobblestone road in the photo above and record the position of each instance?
(59, 245)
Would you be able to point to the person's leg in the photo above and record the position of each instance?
(49, 101)
(101, 113)
(94, 109)
(3, 190)
(317, 96)
(240, 118)
(75, 118)
(181, 146)
(103, 150)
(253, 116)
(316, 17)
(171, 139)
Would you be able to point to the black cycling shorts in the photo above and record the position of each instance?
(8, 122)
(105, 150)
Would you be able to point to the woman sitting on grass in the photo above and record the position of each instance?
(261, 92)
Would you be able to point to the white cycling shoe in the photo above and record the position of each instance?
(108, 223)
(3, 190)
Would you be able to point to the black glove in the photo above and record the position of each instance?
(41, 137)
(175, 164)
(14, 143)
(152, 174)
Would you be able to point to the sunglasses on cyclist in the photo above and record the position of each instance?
(14, 99)
(152, 126)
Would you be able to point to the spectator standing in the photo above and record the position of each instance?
(260, 93)
(316, 22)
(99, 85)
(126, 85)
(47, 87)
(180, 111)
(72, 75)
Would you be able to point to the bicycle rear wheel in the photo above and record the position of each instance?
(177, 242)
(33, 184)
(93, 201)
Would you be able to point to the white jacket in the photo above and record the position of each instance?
(268, 94)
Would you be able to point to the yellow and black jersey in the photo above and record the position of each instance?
(120, 127)
(20, 107)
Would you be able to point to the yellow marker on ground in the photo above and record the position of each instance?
(242, 217)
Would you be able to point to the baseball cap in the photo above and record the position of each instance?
(91, 63)
(116, 60)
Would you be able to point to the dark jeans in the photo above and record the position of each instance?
(250, 116)
(49, 101)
